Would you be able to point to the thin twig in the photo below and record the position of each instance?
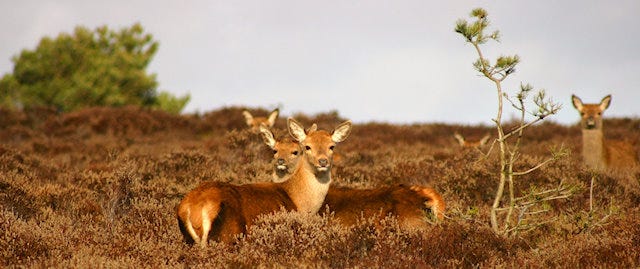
(591, 194)
(564, 196)
(510, 133)
(534, 168)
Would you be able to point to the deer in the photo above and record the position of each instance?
(286, 152)
(473, 143)
(255, 122)
(408, 203)
(598, 153)
(223, 210)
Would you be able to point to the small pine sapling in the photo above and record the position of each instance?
(514, 210)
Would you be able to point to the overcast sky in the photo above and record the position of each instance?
(388, 61)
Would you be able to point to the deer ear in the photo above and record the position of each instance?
(341, 132)
(577, 103)
(267, 136)
(606, 101)
(296, 130)
(313, 128)
(247, 117)
(273, 116)
(459, 138)
(484, 139)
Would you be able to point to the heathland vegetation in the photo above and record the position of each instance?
(92, 174)
(99, 187)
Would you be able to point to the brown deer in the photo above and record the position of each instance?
(471, 143)
(286, 152)
(255, 122)
(223, 210)
(408, 203)
(598, 153)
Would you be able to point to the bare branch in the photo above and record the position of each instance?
(559, 189)
(520, 128)
(535, 167)
(537, 212)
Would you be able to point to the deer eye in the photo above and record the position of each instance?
(295, 153)
(307, 147)
(275, 151)
(332, 147)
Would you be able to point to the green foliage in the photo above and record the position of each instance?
(87, 68)
(171, 104)
(8, 91)
(545, 105)
(474, 33)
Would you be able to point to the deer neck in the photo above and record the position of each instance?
(307, 187)
(593, 150)
(280, 175)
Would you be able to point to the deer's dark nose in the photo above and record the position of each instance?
(323, 162)
(280, 161)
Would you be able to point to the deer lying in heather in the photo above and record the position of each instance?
(255, 122)
(471, 143)
(286, 152)
(597, 152)
(408, 203)
(224, 210)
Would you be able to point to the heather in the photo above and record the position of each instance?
(98, 187)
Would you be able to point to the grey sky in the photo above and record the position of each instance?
(394, 61)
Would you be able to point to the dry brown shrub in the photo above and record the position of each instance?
(127, 121)
(19, 244)
(98, 188)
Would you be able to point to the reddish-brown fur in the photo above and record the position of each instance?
(235, 207)
(286, 153)
(285, 156)
(408, 203)
(223, 210)
(597, 152)
(465, 143)
(255, 122)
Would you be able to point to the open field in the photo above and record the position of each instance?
(98, 188)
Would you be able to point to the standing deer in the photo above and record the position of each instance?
(471, 143)
(255, 122)
(224, 210)
(597, 152)
(408, 203)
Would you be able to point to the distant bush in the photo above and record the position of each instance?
(85, 69)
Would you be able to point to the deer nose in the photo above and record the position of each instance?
(323, 162)
(280, 161)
